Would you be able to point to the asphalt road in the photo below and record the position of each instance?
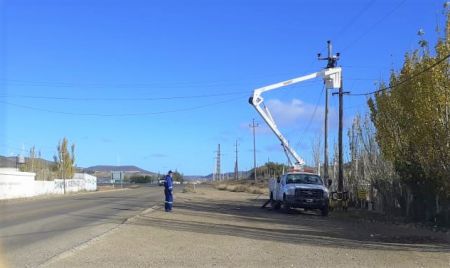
(32, 231)
(211, 228)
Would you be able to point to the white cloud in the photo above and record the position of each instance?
(294, 112)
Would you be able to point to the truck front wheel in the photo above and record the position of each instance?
(324, 211)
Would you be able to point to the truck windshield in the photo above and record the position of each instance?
(303, 178)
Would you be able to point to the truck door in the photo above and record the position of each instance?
(280, 187)
(277, 188)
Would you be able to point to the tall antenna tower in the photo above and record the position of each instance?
(236, 167)
(218, 163)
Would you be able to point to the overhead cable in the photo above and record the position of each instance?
(404, 81)
(117, 115)
(369, 29)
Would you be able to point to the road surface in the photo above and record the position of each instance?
(207, 228)
(212, 228)
(32, 231)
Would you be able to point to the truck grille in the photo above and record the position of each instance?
(311, 194)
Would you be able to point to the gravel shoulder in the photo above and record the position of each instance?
(225, 229)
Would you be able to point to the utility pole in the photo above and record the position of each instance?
(254, 125)
(340, 156)
(236, 167)
(62, 171)
(214, 169)
(218, 162)
(331, 63)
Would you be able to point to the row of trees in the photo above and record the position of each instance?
(62, 167)
(402, 148)
(268, 170)
(142, 178)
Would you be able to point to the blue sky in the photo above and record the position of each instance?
(159, 84)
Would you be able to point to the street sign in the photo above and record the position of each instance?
(362, 194)
(117, 176)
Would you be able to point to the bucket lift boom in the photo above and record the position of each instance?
(332, 79)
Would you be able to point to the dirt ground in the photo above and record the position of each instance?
(212, 228)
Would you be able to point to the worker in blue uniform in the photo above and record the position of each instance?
(168, 191)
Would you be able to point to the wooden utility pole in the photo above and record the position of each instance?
(253, 126)
(331, 63)
(340, 146)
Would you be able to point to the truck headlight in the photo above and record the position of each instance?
(325, 194)
(290, 191)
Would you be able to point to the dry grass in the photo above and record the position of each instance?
(105, 188)
(221, 186)
(189, 188)
(243, 186)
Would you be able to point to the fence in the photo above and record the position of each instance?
(16, 184)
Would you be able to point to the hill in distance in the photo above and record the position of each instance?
(109, 168)
(11, 161)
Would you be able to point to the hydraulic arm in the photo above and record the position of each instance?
(332, 79)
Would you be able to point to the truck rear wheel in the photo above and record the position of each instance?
(277, 205)
(273, 203)
(286, 207)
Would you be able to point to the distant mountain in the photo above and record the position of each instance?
(108, 168)
(7, 161)
(11, 161)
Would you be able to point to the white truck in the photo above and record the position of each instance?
(296, 188)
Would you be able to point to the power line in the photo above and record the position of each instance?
(404, 81)
(61, 98)
(15, 82)
(125, 99)
(117, 115)
(374, 25)
(313, 114)
(353, 20)
(160, 84)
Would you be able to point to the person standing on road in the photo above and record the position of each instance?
(168, 191)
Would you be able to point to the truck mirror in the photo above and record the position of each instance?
(330, 181)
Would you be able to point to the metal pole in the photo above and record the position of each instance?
(236, 167)
(218, 163)
(254, 149)
(62, 171)
(341, 160)
(325, 158)
(331, 63)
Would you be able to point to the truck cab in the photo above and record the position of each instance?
(298, 189)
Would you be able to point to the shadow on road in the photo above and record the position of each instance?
(246, 219)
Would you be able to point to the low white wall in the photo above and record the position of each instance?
(15, 184)
(89, 181)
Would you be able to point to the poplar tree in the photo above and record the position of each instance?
(411, 116)
(65, 160)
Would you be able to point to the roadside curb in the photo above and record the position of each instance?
(147, 211)
(91, 241)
